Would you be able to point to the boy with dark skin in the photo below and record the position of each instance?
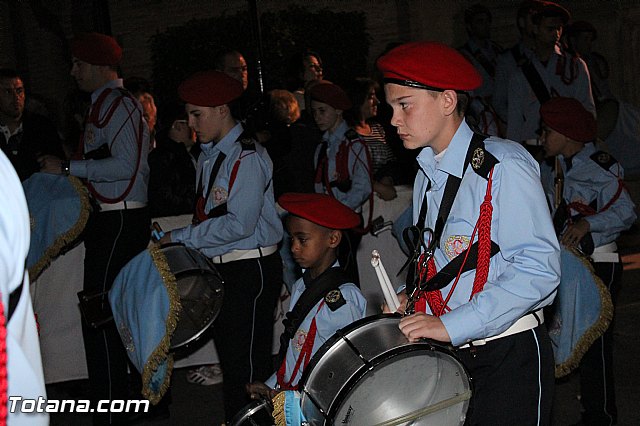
(315, 224)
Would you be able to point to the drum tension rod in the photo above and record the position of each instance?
(355, 350)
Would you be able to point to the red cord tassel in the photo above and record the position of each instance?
(4, 380)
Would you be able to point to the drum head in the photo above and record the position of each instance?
(256, 413)
(371, 374)
(201, 291)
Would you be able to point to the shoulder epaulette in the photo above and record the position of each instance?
(334, 299)
(482, 161)
(603, 159)
(352, 135)
(247, 142)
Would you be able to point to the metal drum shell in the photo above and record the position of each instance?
(352, 353)
(201, 290)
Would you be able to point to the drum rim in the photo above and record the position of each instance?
(193, 253)
(431, 345)
(358, 374)
(249, 409)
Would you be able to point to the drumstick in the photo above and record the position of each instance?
(390, 296)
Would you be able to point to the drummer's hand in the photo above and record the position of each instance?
(402, 298)
(421, 325)
(166, 239)
(258, 390)
(50, 164)
(574, 233)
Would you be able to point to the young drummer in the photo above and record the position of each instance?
(488, 256)
(342, 161)
(324, 299)
(590, 208)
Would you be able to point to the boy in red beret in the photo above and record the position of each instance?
(236, 225)
(486, 258)
(324, 299)
(343, 164)
(590, 208)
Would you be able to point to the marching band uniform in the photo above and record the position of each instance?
(116, 146)
(591, 189)
(358, 166)
(563, 74)
(524, 108)
(497, 327)
(506, 66)
(341, 302)
(343, 170)
(328, 319)
(237, 226)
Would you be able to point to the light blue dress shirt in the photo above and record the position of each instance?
(524, 275)
(111, 176)
(251, 220)
(327, 323)
(358, 169)
(523, 116)
(587, 181)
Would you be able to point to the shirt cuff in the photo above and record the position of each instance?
(78, 168)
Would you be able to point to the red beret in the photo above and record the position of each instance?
(332, 95)
(550, 9)
(567, 116)
(320, 209)
(210, 89)
(96, 49)
(429, 65)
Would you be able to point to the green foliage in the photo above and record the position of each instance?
(339, 37)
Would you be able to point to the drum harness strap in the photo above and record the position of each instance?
(563, 210)
(343, 179)
(199, 215)
(315, 290)
(94, 118)
(423, 283)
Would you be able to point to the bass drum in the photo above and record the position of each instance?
(256, 413)
(369, 374)
(201, 290)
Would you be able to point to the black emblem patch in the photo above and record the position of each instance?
(334, 299)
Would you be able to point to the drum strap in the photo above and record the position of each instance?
(305, 356)
(315, 290)
(477, 256)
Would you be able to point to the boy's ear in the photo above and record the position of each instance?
(335, 236)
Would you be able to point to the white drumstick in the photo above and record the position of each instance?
(390, 296)
(392, 291)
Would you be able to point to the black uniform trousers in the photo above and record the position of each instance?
(111, 240)
(243, 330)
(512, 379)
(597, 388)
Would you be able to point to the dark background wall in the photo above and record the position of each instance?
(34, 34)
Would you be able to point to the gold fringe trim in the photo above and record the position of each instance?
(596, 330)
(161, 353)
(278, 409)
(62, 241)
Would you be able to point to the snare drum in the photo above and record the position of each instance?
(256, 413)
(369, 374)
(200, 287)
